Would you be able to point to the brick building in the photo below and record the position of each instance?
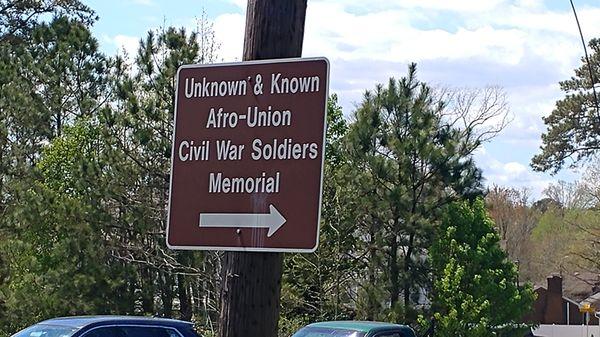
(553, 307)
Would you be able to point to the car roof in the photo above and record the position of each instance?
(85, 321)
(362, 326)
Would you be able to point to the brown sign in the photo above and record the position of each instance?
(247, 159)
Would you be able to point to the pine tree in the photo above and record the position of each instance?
(137, 131)
(85, 189)
(573, 127)
(42, 43)
(411, 162)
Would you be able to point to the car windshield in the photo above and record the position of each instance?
(43, 330)
(327, 332)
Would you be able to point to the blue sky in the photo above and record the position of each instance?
(523, 46)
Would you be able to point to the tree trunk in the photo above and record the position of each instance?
(166, 293)
(252, 281)
(183, 291)
(393, 266)
(408, 270)
(147, 290)
(185, 302)
(372, 300)
(394, 271)
(196, 294)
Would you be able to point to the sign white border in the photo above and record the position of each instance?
(249, 249)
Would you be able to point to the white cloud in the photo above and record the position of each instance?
(455, 6)
(514, 168)
(389, 31)
(459, 6)
(129, 44)
(480, 151)
(520, 45)
(144, 2)
(529, 103)
(390, 35)
(512, 174)
(532, 4)
(536, 19)
(504, 35)
(229, 31)
(239, 3)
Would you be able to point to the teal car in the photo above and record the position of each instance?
(354, 329)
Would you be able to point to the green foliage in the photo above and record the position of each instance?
(84, 158)
(50, 74)
(550, 223)
(288, 325)
(85, 146)
(58, 250)
(61, 259)
(574, 125)
(585, 243)
(69, 159)
(475, 288)
(565, 241)
(136, 134)
(408, 162)
(337, 127)
(19, 17)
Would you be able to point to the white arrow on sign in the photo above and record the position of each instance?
(272, 220)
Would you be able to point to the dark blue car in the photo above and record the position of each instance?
(109, 326)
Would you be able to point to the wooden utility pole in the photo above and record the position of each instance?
(252, 281)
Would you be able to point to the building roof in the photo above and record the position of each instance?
(576, 286)
(580, 285)
(362, 326)
(593, 300)
(84, 321)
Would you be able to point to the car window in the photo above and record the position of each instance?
(43, 330)
(126, 331)
(391, 334)
(173, 333)
(326, 332)
(104, 332)
(148, 332)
